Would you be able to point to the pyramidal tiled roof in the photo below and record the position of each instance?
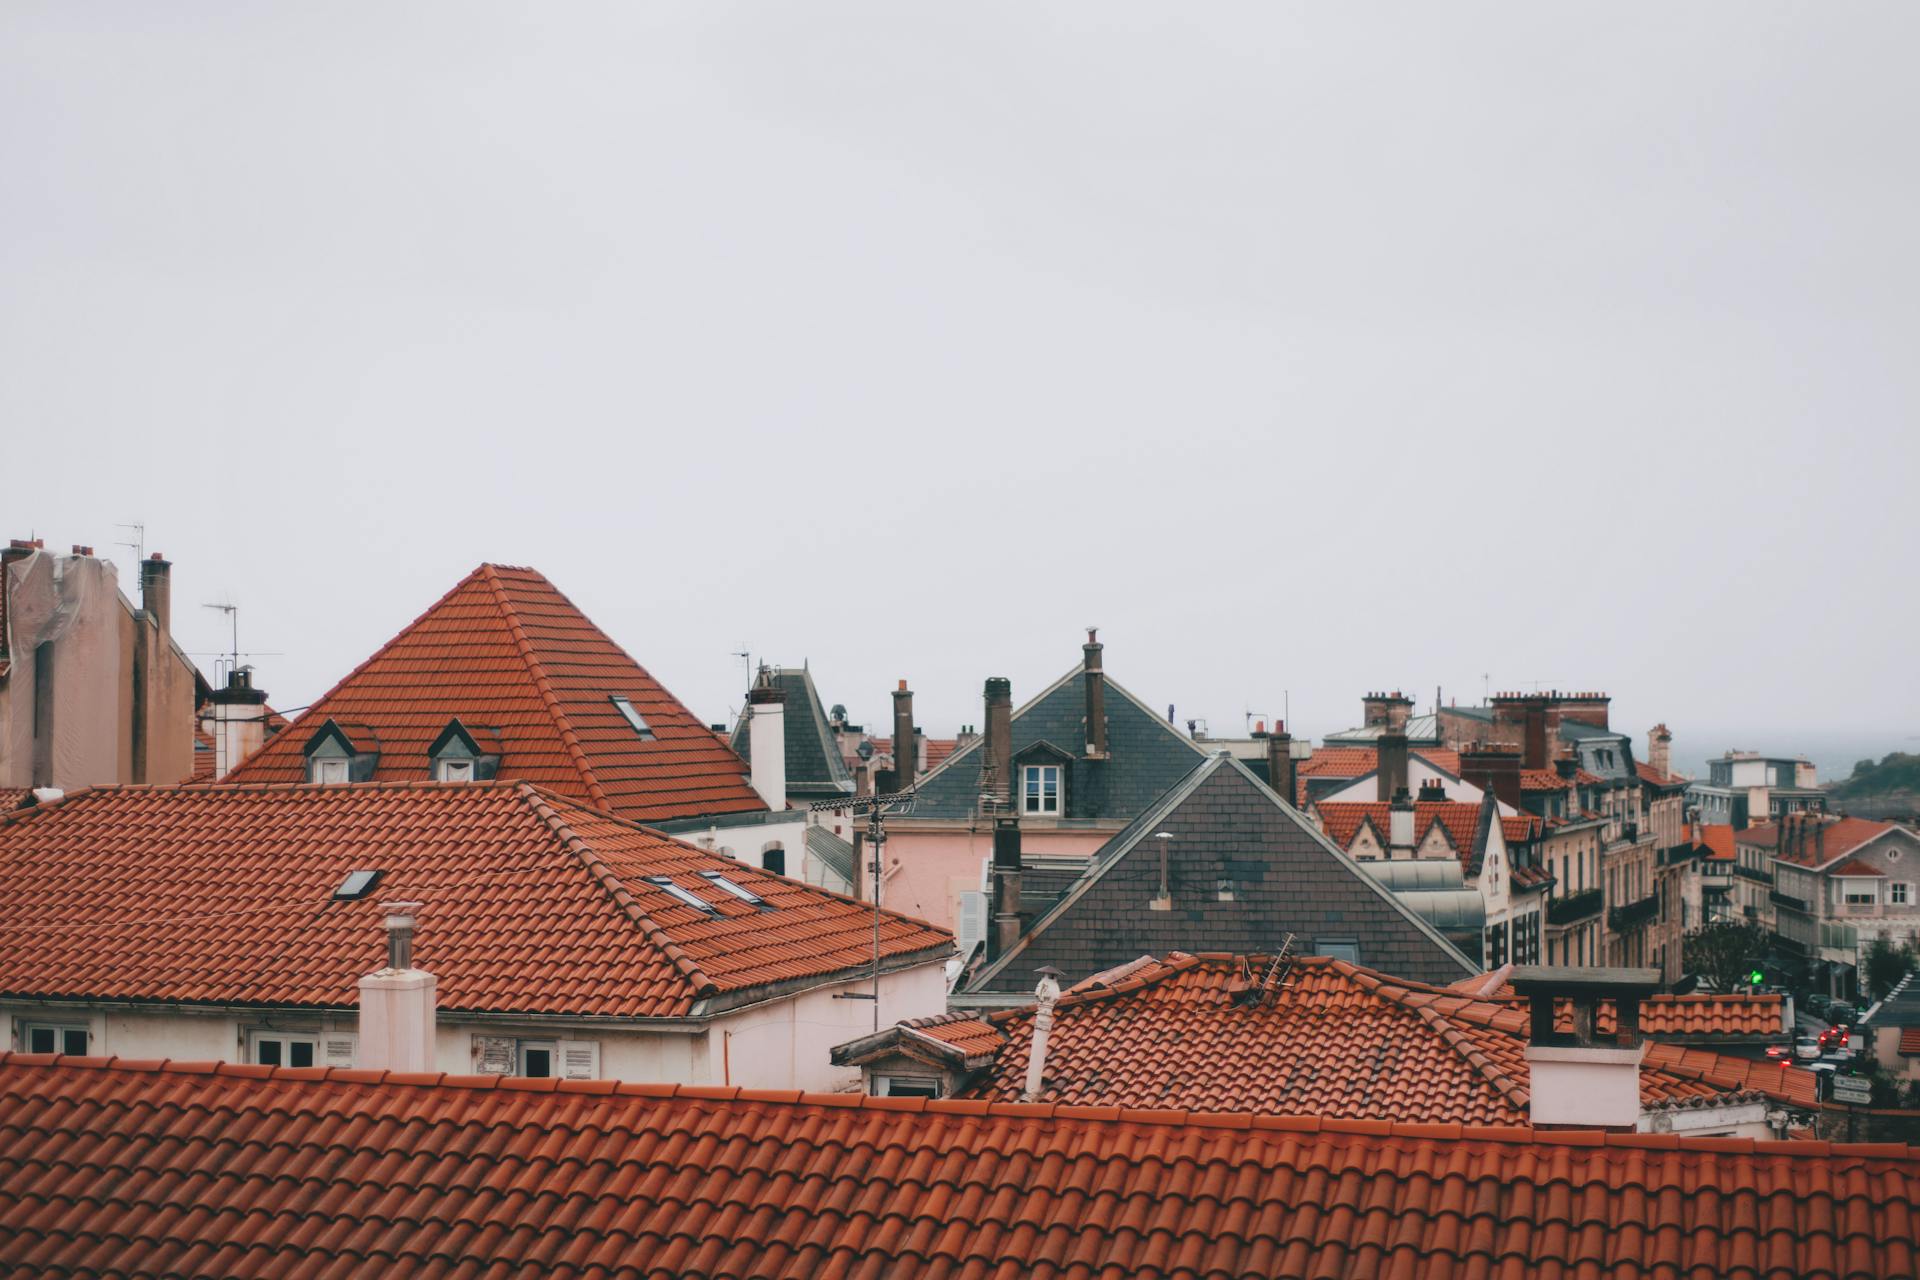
(532, 903)
(1337, 1040)
(144, 1168)
(505, 651)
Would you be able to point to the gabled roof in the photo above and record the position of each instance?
(814, 766)
(1358, 762)
(505, 651)
(1716, 838)
(1856, 869)
(1456, 819)
(223, 895)
(1145, 755)
(1653, 777)
(212, 1169)
(1175, 1033)
(1814, 841)
(1282, 876)
(1542, 780)
(1689, 1018)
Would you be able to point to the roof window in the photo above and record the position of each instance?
(358, 884)
(688, 896)
(745, 895)
(634, 718)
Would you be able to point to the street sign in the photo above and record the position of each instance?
(1856, 1090)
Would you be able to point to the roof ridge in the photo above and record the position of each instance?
(621, 895)
(543, 682)
(1511, 1134)
(1476, 1057)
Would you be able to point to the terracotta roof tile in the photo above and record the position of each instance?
(532, 903)
(1855, 867)
(1542, 780)
(1910, 1041)
(1816, 842)
(1651, 775)
(1355, 762)
(181, 1169)
(1170, 1034)
(1457, 818)
(505, 651)
(1717, 839)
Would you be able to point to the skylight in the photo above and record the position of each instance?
(688, 896)
(745, 895)
(634, 718)
(358, 884)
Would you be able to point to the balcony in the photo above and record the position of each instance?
(1634, 914)
(1748, 873)
(1575, 907)
(1788, 901)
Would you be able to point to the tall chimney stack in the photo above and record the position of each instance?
(397, 1002)
(239, 720)
(1584, 1079)
(1660, 750)
(1400, 826)
(1280, 763)
(767, 739)
(1495, 769)
(1534, 742)
(1096, 680)
(156, 590)
(1044, 995)
(1006, 885)
(997, 751)
(906, 745)
(1390, 765)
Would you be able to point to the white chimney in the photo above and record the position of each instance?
(1582, 1078)
(397, 1003)
(767, 739)
(1045, 994)
(1400, 827)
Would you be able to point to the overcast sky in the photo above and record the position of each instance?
(1303, 348)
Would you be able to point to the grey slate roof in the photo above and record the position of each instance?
(814, 766)
(835, 854)
(1145, 756)
(1286, 877)
(1419, 729)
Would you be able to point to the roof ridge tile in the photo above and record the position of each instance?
(544, 683)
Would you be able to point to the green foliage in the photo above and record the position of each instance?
(1898, 772)
(1885, 963)
(1723, 952)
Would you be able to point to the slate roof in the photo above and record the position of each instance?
(1171, 1034)
(1145, 756)
(504, 650)
(1424, 728)
(834, 853)
(1228, 826)
(814, 766)
(140, 1169)
(532, 903)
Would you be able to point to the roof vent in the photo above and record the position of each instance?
(358, 884)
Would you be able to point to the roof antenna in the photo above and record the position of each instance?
(139, 543)
(233, 616)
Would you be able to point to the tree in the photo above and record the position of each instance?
(1861, 766)
(1724, 952)
(1885, 963)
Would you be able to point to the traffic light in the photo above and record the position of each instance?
(1757, 977)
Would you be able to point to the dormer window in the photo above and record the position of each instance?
(1040, 789)
(464, 753)
(341, 753)
(324, 770)
(453, 771)
(632, 715)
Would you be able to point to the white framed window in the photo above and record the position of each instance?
(1040, 789)
(1859, 893)
(453, 770)
(322, 769)
(906, 1086)
(567, 1059)
(54, 1037)
(1900, 894)
(283, 1049)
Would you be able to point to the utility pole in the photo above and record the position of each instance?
(876, 808)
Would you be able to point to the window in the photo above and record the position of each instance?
(358, 884)
(745, 895)
(1040, 790)
(282, 1049)
(325, 770)
(47, 1037)
(1900, 895)
(906, 1086)
(774, 860)
(666, 885)
(633, 717)
(1859, 894)
(1347, 949)
(537, 1058)
(453, 770)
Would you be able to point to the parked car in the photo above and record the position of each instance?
(1816, 1004)
(1839, 1011)
(1806, 1048)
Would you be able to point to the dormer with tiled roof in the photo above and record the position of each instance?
(507, 653)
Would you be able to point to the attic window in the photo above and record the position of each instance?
(688, 896)
(358, 884)
(745, 895)
(453, 770)
(634, 718)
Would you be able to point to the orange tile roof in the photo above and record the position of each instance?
(1355, 762)
(1717, 839)
(938, 749)
(1818, 842)
(1457, 819)
(1679, 1017)
(1855, 867)
(533, 903)
(1170, 1034)
(505, 651)
(156, 1168)
(1542, 780)
(1910, 1041)
(1652, 775)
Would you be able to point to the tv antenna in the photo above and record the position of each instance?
(139, 543)
(233, 618)
(876, 808)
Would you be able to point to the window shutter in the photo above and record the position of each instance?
(338, 1049)
(973, 922)
(493, 1055)
(579, 1060)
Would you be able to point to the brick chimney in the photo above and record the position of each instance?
(906, 744)
(1390, 772)
(1006, 886)
(1096, 682)
(767, 739)
(1280, 775)
(239, 720)
(397, 1003)
(1495, 769)
(1584, 1079)
(1660, 750)
(997, 751)
(1387, 710)
(156, 590)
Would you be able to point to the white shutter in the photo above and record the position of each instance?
(973, 923)
(579, 1060)
(338, 1049)
(493, 1056)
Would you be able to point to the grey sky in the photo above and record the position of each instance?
(1305, 348)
